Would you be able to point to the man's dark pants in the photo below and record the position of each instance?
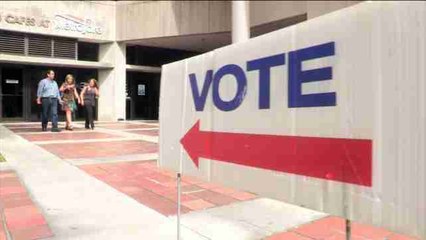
(49, 110)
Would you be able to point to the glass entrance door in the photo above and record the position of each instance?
(144, 93)
(11, 93)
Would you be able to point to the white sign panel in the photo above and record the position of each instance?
(328, 114)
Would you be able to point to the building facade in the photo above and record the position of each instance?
(122, 44)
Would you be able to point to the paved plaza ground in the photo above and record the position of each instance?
(106, 184)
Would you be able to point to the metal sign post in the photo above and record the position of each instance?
(178, 205)
(346, 207)
(348, 229)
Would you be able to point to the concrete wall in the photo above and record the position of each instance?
(318, 8)
(262, 12)
(50, 17)
(149, 19)
(152, 19)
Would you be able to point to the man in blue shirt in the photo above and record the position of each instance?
(48, 96)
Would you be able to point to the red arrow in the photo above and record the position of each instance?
(338, 159)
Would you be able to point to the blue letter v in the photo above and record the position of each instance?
(200, 99)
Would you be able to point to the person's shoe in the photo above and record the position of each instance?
(93, 127)
(70, 128)
(56, 130)
(44, 129)
(87, 127)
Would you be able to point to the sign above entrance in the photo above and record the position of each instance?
(60, 22)
(141, 89)
(15, 19)
(84, 20)
(74, 24)
(12, 81)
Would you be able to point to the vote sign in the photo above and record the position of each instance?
(340, 159)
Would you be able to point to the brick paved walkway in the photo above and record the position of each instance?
(67, 136)
(23, 219)
(145, 132)
(156, 188)
(333, 228)
(100, 149)
(122, 126)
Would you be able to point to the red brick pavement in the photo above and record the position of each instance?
(23, 219)
(25, 130)
(22, 125)
(123, 126)
(38, 129)
(145, 132)
(333, 228)
(101, 149)
(156, 188)
(67, 135)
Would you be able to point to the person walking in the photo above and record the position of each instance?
(48, 97)
(88, 95)
(69, 96)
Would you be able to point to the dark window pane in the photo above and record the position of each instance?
(64, 48)
(39, 45)
(88, 51)
(11, 42)
(150, 56)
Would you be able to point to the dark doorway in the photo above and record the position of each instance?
(11, 93)
(18, 90)
(143, 95)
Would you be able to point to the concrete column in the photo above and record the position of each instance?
(112, 82)
(240, 21)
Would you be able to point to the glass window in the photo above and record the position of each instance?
(88, 51)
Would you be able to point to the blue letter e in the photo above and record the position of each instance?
(296, 77)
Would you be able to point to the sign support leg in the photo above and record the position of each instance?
(346, 209)
(348, 229)
(178, 205)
